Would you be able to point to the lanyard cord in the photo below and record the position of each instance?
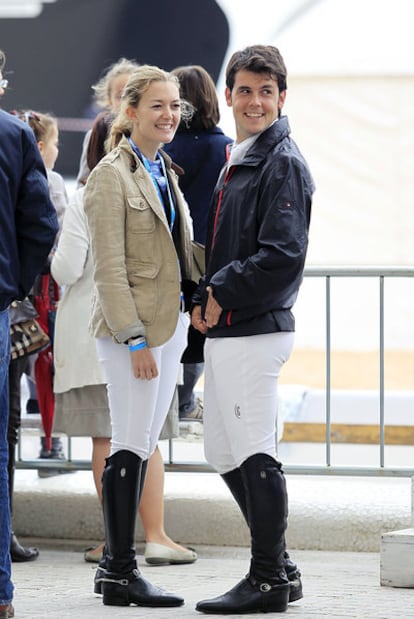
(154, 180)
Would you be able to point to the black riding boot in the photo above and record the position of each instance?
(266, 587)
(234, 482)
(101, 569)
(122, 583)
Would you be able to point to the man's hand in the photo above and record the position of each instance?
(213, 309)
(197, 320)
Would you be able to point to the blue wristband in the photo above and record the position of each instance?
(137, 346)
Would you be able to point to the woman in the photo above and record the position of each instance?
(81, 402)
(141, 248)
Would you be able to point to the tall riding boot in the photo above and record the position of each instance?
(234, 482)
(102, 568)
(266, 587)
(122, 583)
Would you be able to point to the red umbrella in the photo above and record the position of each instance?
(45, 303)
(44, 389)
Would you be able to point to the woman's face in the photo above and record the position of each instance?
(156, 117)
(49, 148)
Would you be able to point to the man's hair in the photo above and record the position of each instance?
(258, 59)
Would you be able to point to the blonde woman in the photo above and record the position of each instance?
(141, 248)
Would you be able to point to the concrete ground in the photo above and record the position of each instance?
(337, 585)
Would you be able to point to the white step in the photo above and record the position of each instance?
(397, 554)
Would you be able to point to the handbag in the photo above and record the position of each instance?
(26, 335)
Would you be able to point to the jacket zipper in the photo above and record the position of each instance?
(219, 201)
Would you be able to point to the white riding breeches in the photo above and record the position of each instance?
(139, 407)
(240, 396)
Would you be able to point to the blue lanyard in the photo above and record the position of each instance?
(154, 180)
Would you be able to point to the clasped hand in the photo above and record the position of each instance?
(212, 314)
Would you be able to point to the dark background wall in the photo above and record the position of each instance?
(53, 60)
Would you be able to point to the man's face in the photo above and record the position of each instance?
(256, 102)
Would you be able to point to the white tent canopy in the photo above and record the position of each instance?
(350, 91)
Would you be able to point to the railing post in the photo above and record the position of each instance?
(381, 371)
(328, 369)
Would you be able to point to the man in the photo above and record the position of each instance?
(28, 226)
(255, 255)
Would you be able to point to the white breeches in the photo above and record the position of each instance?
(139, 407)
(240, 396)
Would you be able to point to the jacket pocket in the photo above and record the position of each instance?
(141, 219)
(143, 280)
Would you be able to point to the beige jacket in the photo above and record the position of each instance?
(136, 271)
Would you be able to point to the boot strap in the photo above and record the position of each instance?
(122, 581)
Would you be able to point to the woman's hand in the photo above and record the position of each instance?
(143, 364)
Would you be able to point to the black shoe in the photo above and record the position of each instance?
(132, 588)
(19, 553)
(56, 453)
(248, 596)
(32, 407)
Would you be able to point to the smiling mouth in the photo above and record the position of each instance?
(252, 115)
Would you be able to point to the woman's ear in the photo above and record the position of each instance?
(131, 113)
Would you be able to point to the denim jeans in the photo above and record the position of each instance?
(186, 395)
(6, 586)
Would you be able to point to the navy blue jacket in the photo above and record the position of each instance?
(28, 222)
(201, 154)
(258, 237)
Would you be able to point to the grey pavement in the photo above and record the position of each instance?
(337, 585)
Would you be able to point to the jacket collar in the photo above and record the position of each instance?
(267, 140)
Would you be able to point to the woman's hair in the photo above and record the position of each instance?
(137, 85)
(40, 123)
(102, 88)
(198, 88)
(99, 133)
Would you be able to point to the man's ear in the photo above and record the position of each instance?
(227, 94)
(282, 98)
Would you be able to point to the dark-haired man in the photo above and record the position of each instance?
(255, 255)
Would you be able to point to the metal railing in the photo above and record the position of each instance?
(379, 273)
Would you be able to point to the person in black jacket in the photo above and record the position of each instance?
(255, 253)
(28, 226)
